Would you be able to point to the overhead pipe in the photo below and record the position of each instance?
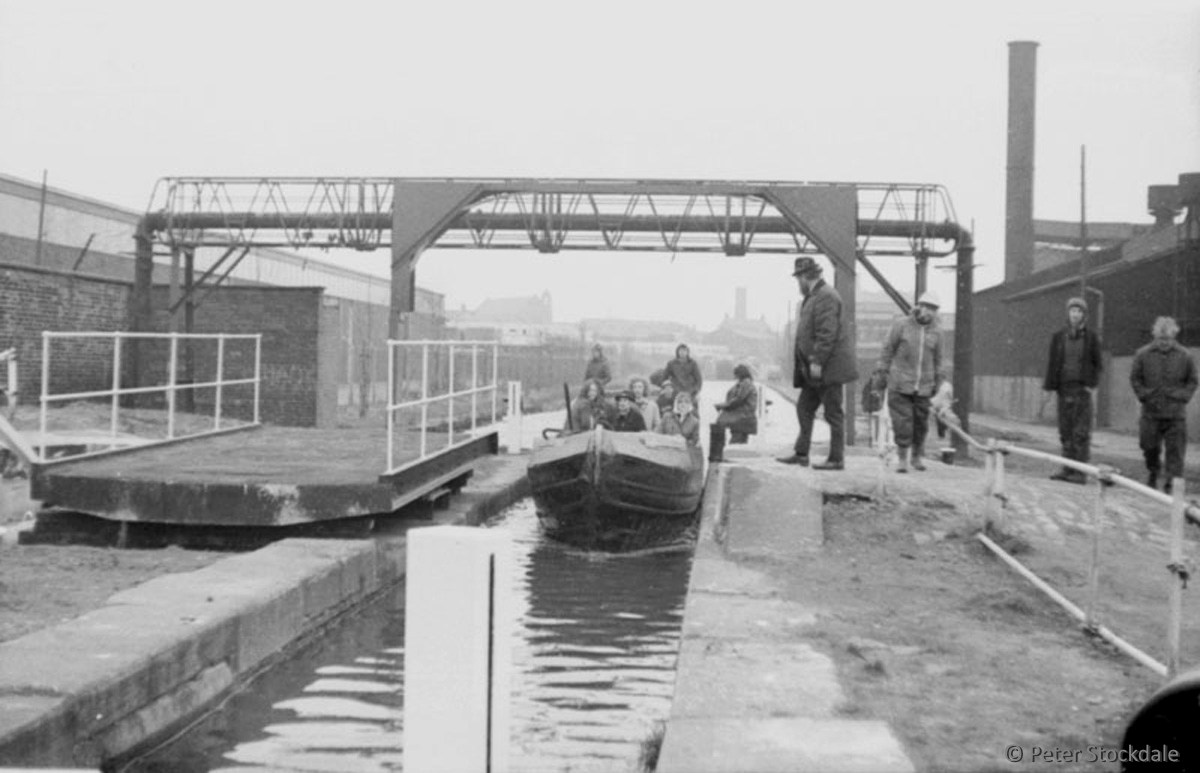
(492, 221)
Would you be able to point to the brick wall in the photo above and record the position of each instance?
(33, 300)
(289, 319)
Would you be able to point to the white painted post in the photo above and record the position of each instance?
(495, 379)
(220, 381)
(1098, 508)
(457, 650)
(1178, 577)
(514, 425)
(450, 400)
(998, 493)
(171, 375)
(474, 384)
(391, 401)
(116, 384)
(45, 402)
(424, 395)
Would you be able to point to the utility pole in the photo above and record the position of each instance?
(1083, 234)
(37, 250)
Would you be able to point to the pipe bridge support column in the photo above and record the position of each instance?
(963, 379)
(828, 215)
(422, 210)
(141, 311)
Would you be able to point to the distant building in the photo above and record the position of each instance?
(519, 321)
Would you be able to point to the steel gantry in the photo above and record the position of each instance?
(850, 223)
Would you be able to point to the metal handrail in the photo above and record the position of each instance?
(425, 400)
(1103, 473)
(1104, 477)
(171, 388)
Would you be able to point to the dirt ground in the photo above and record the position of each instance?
(963, 657)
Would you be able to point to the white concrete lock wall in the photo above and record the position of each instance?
(457, 650)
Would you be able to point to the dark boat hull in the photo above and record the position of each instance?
(616, 491)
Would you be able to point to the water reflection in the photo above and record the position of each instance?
(594, 660)
(594, 654)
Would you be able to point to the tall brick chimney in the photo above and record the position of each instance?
(1022, 98)
(739, 303)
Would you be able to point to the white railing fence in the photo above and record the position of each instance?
(1099, 479)
(439, 394)
(67, 356)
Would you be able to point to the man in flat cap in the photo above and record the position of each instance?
(1073, 371)
(824, 362)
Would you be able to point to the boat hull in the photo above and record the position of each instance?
(616, 491)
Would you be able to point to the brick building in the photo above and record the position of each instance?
(323, 324)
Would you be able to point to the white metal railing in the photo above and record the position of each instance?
(9, 358)
(1101, 477)
(431, 396)
(171, 388)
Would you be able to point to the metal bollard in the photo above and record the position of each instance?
(457, 650)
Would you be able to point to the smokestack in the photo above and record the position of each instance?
(739, 303)
(1022, 93)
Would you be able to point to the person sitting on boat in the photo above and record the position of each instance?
(597, 367)
(737, 413)
(681, 420)
(684, 373)
(642, 401)
(666, 397)
(627, 418)
(589, 409)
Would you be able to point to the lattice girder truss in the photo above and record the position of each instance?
(733, 218)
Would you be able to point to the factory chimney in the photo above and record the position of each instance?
(739, 303)
(1022, 93)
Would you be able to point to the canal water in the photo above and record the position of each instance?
(594, 669)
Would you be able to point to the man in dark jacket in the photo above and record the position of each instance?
(1163, 377)
(1073, 372)
(626, 419)
(824, 362)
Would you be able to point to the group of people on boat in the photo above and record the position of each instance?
(675, 408)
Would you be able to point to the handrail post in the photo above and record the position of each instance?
(220, 381)
(495, 378)
(998, 494)
(1098, 509)
(391, 401)
(1179, 576)
(171, 375)
(257, 373)
(474, 382)
(450, 400)
(45, 391)
(424, 395)
(116, 382)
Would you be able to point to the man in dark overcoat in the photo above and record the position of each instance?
(824, 363)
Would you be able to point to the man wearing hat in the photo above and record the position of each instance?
(913, 365)
(1073, 372)
(824, 362)
(626, 419)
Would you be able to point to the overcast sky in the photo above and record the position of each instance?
(110, 96)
